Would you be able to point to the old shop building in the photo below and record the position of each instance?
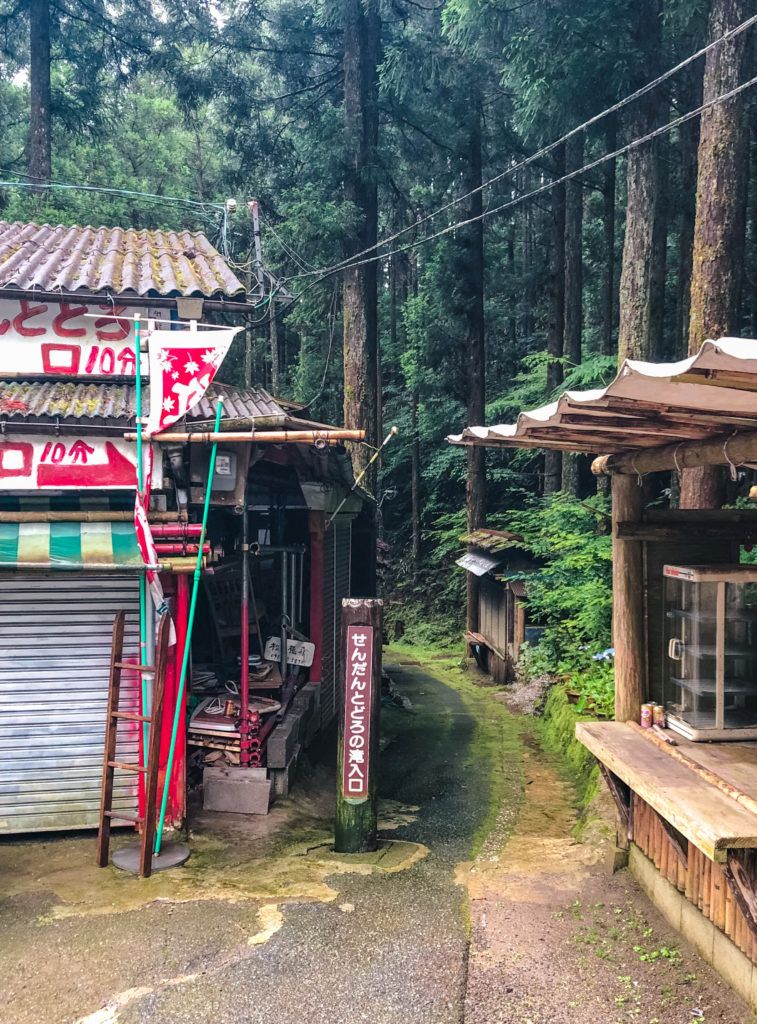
(68, 557)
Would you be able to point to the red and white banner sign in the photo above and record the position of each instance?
(31, 462)
(359, 684)
(183, 365)
(150, 557)
(57, 339)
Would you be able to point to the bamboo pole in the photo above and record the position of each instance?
(84, 516)
(188, 638)
(720, 451)
(254, 436)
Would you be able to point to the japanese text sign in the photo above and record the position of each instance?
(359, 684)
(66, 339)
(32, 462)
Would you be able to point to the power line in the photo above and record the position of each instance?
(355, 262)
(544, 151)
(131, 193)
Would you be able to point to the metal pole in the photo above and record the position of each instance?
(255, 214)
(188, 640)
(143, 660)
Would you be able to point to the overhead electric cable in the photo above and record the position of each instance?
(355, 262)
(545, 150)
(150, 196)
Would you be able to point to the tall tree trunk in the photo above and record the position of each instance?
(415, 440)
(275, 351)
(716, 269)
(39, 159)
(362, 31)
(690, 93)
(608, 233)
(659, 255)
(475, 346)
(636, 304)
(751, 260)
(573, 322)
(555, 339)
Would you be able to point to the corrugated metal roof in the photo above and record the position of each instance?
(492, 540)
(112, 260)
(46, 401)
(648, 405)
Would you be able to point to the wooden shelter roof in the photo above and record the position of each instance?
(709, 396)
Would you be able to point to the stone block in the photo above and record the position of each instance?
(735, 968)
(236, 790)
(697, 930)
(283, 741)
(283, 778)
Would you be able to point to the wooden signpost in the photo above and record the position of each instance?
(358, 750)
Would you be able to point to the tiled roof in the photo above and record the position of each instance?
(98, 404)
(113, 260)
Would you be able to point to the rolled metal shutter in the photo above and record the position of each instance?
(55, 640)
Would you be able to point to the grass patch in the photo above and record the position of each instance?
(557, 731)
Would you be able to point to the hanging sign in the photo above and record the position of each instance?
(57, 339)
(359, 684)
(182, 367)
(299, 652)
(39, 462)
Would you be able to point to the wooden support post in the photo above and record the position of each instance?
(627, 602)
(358, 751)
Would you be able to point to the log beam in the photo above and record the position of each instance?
(731, 448)
(627, 605)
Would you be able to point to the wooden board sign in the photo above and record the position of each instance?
(32, 462)
(359, 684)
(299, 652)
(57, 339)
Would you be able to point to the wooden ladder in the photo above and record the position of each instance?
(110, 764)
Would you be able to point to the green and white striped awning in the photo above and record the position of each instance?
(69, 546)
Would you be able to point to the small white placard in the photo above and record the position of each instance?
(299, 652)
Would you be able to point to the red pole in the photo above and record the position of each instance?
(244, 675)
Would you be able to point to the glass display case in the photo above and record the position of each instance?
(710, 678)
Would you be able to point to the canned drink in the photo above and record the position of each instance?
(658, 715)
(647, 716)
(229, 709)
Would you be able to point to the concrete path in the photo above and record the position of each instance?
(262, 927)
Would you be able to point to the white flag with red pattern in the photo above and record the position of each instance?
(183, 365)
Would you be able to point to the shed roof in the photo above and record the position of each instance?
(102, 260)
(491, 540)
(114, 404)
(648, 405)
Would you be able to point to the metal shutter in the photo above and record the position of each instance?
(336, 576)
(55, 639)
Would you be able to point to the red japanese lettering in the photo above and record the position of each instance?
(107, 361)
(80, 451)
(28, 312)
(128, 361)
(92, 359)
(69, 312)
(118, 329)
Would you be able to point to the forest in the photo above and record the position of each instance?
(429, 138)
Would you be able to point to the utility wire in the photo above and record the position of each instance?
(543, 188)
(150, 196)
(355, 262)
(544, 151)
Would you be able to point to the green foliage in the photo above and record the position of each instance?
(572, 592)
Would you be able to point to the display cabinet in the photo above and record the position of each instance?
(710, 659)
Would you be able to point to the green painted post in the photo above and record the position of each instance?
(358, 750)
(188, 641)
(142, 577)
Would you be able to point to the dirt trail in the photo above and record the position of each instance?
(555, 937)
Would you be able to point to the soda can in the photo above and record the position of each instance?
(658, 716)
(647, 716)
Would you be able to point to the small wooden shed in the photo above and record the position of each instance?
(688, 810)
(498, 559)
